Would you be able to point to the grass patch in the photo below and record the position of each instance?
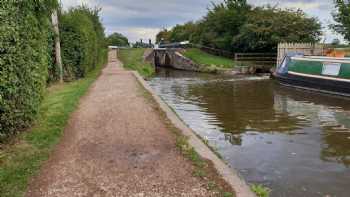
(22, 156)
(260, 190)
(133, 59)
(203, 58)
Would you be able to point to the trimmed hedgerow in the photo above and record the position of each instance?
(27, 61)
(82, 40)
(24, 59)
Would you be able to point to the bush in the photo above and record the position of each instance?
(117, 39)
(82, 41)
(24, 50)
(27, 55)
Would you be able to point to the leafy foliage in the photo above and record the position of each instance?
(342, 17)
(24, 50)
(22, 160)
(82, 40)
(27, 55)
(117, 39)
(267, 26)
(234, 25)
(261, 191)
(178, 33)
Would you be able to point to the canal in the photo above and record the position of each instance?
(296, 143)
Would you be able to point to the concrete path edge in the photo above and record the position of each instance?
(229, 174)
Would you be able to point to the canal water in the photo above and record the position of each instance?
(296, 143)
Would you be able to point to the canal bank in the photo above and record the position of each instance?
(118, 144)
(228, 174)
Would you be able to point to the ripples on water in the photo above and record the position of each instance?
(295, 142)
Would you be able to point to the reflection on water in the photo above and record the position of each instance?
(294, 142)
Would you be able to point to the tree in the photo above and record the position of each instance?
(236, 26)
(223, 22)
(164, 35)
(267, 26)
(342, 17)
(117, 39)
(183, 32)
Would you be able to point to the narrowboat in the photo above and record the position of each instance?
(329, 75)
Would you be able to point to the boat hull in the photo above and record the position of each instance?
(322, 85)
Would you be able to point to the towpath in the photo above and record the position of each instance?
(116, 144)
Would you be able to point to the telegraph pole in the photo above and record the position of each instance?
(58, 57)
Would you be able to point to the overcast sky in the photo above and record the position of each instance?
(138, 19)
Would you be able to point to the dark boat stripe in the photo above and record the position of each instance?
(318, 76)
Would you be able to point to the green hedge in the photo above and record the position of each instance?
(82, 40)
(24, 58)
(27, 55)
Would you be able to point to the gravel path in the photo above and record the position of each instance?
(116, 144)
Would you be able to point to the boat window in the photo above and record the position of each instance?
(331, 69)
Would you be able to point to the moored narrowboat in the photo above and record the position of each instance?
(317, 73)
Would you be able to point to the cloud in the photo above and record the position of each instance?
(71, 3)
(143, 19)
(304, 5)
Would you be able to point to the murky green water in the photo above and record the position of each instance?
(294, 142)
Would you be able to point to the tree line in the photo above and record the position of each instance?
(342, 18)
(236, 26)
(27, 55)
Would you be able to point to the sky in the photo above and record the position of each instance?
(143, 19)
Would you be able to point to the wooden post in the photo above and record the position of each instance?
(58, 57)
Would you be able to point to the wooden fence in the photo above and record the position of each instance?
(269, 58)
(305, 48)
(257, 58)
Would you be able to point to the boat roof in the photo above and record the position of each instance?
(345, 60)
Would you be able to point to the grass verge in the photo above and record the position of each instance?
(203, 169)
(260, 190)
(203, 58)
(22, 156)
(133, 59)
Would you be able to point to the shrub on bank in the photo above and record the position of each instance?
(24, 31)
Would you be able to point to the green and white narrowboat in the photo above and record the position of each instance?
(324, 74)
